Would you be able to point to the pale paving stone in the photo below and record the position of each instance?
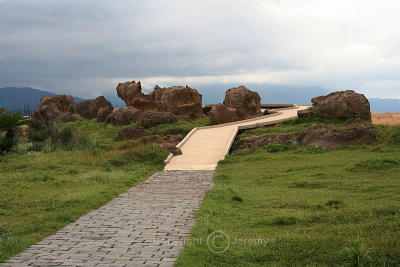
(142, 227)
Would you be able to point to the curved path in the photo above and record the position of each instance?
(203, 147)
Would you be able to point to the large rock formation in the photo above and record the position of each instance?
(52, 107)
(121, 117)
(46, 113)
(342, 105)
(246, 102)
(88, 109)
(178, 100)
(222, 114)
(151, 119)
(131, 93)
(61, 102)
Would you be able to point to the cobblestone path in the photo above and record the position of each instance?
(145, 226)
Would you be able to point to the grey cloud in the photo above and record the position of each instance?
(69, 44)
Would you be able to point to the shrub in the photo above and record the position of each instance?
(377, 164)
(316, 149)
(40, 131)
(151, 154)
(274, 147)
(8, 123)
(394, 139)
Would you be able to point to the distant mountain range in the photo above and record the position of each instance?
(25, 100)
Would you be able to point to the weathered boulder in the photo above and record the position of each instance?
(246, 102)
(131, 93)
(65, 117)
(222, 114)
(342, 105)
(178, 100)
(171, 148)
(88, 109)
(121, 117)
(305, 113)
(103, 113)
(207, 108)
(151, 119)
(2, 110)
(132, 133)
(350, 132)
(46, 113)
(61, 102)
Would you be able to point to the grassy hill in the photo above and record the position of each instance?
(49, 184)
(302, 206)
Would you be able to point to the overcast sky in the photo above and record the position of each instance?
(86, 47)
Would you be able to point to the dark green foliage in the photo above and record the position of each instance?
(377, 164)
(318, 149)
(151, 154)
(274, 147)
(8, 123)
(394, 139)
(39, 131)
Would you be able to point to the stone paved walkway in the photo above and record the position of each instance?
(144, 226)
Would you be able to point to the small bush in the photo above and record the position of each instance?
(151, 154)
(39, 131)
(394, 139)
(274, 147)
(377, 164)
(316, 149)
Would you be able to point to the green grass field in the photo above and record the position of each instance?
(302, 206)
(45, 190)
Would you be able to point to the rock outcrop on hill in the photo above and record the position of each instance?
(178, 100)
(151, 119)
(123, 116)
(88, 109)
(103, 113)
(52, 107)
(342, 105)
(222, 114)
(46, 113)
(317, 135)
(346, 134)
(65, 117)
(61, 102)
(2, 110)
(131, 93)
(132, 133)
(245, 102)
(171, 148)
